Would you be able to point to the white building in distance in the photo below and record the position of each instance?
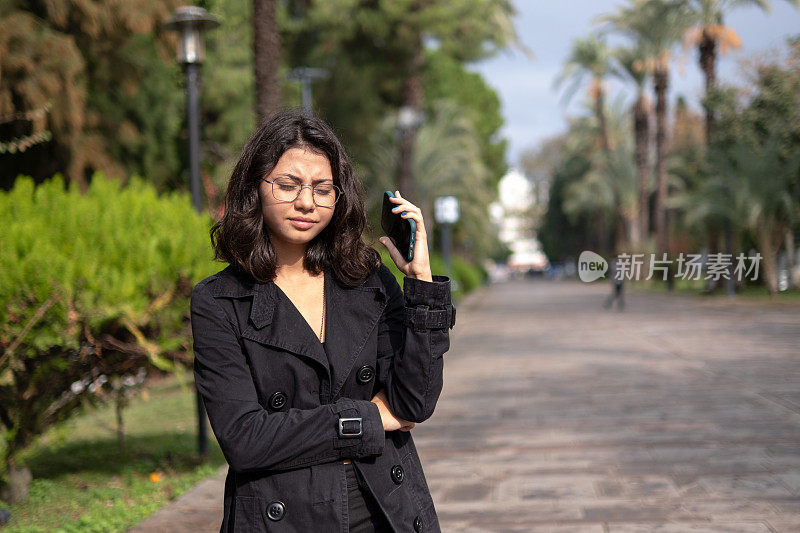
(513, 214)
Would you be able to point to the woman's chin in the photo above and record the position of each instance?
(297, 238)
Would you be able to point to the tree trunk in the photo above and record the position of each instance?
(708, 59)
(266, 59)
(661, 82)
(641, 136)
(405, 179)
(599, 109)
(708, 64)
(411, 96)
(16, 488)
(769, 240)
(600, 228)
(621, 231)
(768, 263)
(605, 143)
(713, 248)
(119, 407)
(790, 254)
(76, 166)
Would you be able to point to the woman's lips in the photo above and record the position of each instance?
(301, 224)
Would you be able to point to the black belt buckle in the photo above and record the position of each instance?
(351, 429)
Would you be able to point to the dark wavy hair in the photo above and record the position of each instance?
(241, 237)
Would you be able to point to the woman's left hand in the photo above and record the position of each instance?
(420, 266)
(390, 421)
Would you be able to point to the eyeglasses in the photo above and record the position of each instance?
(287, 190)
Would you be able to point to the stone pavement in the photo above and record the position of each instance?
(197, 511)
(678, 414)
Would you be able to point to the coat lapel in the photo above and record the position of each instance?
(276, 322)
(350, 316)
(351, 313)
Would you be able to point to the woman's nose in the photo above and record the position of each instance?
(306, 198)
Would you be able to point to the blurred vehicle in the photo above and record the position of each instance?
(527, 256)
(498, 272)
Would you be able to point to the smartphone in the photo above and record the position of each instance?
(402, 231)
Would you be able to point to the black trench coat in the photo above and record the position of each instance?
(280, 409)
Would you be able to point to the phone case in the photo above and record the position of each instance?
(409, 255)
(412, 238)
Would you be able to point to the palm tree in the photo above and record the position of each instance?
(590, 57)
(610, 184)
(656, 25)
(712, 36)
(633, 62)
(266, 59)
(755, 195)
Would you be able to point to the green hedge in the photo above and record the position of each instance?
(468, 276)
(94, 292)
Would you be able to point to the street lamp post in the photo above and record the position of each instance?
(446, 214)
(190, 22)
(307, 75)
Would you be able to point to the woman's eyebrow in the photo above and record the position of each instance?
(299, 180)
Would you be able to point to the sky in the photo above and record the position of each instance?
(534, 110)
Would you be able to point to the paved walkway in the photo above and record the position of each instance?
(679, 414)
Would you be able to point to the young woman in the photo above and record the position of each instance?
(312, 363)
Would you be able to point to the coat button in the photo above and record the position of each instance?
(277, 401)
(276, 510)
(365, 374)
(418, 524)
(397, 474)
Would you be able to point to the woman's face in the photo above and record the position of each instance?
(298, 221)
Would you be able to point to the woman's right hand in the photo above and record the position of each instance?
(390, 421)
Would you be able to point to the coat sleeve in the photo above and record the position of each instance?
(413, 336)
(252, 438)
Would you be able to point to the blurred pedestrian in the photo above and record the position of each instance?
(617, 278)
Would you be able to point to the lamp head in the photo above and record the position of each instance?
(190, 22)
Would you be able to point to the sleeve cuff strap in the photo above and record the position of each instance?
(354, 416)
(422, 318)
(434, 293)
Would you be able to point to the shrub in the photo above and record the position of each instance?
(94, 294)
(468, 276)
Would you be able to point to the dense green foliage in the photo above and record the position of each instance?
(447, 78)
(755, 159)
(227, 100)
(111, 93)
(563, 237)
(95, 288)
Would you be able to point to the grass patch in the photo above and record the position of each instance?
(696, 288)
(84, 482)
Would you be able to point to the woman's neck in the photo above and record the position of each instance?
(290, 261)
